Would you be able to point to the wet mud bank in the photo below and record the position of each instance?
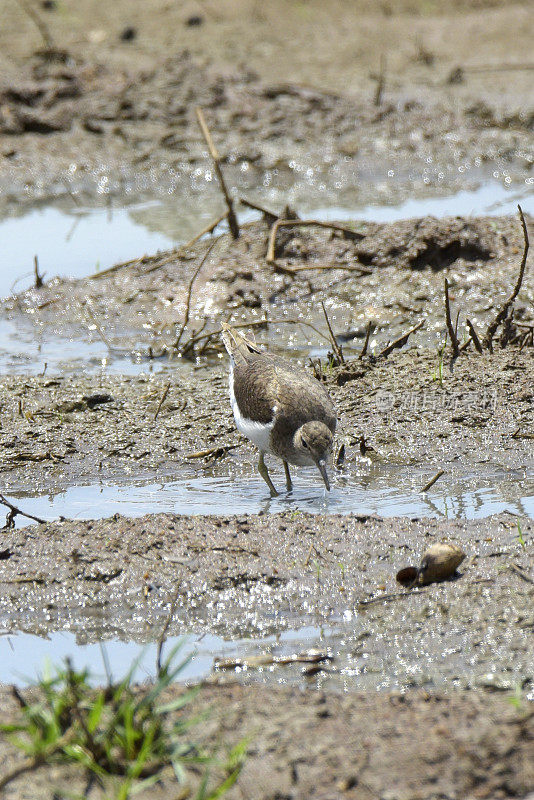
(412, 408)
(255, 576)
(388, 275)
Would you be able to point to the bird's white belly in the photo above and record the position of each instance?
(259, 433)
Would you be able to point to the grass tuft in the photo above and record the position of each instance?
(121, 735)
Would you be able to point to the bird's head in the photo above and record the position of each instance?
(313, 442)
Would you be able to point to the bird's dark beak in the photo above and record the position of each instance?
(322, 469)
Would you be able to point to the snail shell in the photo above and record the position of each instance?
(440, 561)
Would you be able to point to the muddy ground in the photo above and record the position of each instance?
(356, 746)
(388, 275)
(289, 91)
(60, 431)
(255, 576)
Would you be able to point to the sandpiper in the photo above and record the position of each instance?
(281, 409)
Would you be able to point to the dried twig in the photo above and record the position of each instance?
(450, 326)
(15, 510)
(338, 352)
(522, 574)
(39, 23)
(325, 267)
(387, 597)
(232, 219)
(503, 312)
(380, 81)
(189, 292)
(370, 328)
(163, 398)
(212, 452)
(269, 216)
(474, 335)
(38, 284)
(401, 341)
(294, 223)
(432, 481)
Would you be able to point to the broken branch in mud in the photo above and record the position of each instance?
(432, 481)
(232, 219)
(189, 293)
(338, 352)
(39, 23)
(370, 328)
(15, 511)
(503, 312)
(474, 336)
(388, 597)
(269, 216)
(401, 341)
(293, 223)
(380, 81)
(450, 327)
(325, 267)
(163, 398)
(38, 284)
(213, 453)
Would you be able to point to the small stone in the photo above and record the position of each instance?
(128, 34)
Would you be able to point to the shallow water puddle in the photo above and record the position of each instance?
(24, 350)
(386, 492)
(24, 656)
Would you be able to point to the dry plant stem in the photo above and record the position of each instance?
(381, 81)
(387, 597)
(163, 398)
(269, 216)
(294, 223)
(370, 327)
(466, 344)
(432, 481)
(38, 277)
(503, 312)
(212, 451)
(337, 350)
(401, 341)
(171, 257)
(450, 326)
(304, 268)
(38, 22)
(189, 292)
(232, 219)
(16, 510)
(474, 336)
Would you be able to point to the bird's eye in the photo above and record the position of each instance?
(305, 443)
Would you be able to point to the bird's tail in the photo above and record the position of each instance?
(238, 346)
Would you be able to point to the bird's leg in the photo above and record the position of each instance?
(262, 469)
(289, 485)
